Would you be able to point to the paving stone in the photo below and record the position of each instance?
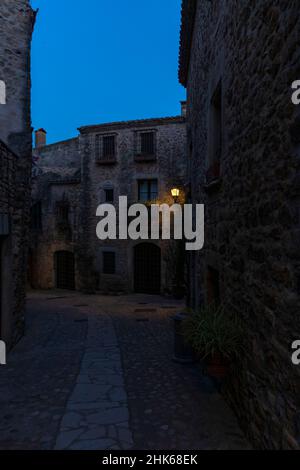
(98, 432)
(95, 406)
(83, 379)
(113, 416)
(98, 444)
(65, 439)
(71, 420)
(125, 436)
(112, 432)
(118, 394)
(89, 393)
(107, 379)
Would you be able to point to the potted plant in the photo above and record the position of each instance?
(215, 337)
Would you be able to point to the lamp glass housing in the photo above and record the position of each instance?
(175, 192)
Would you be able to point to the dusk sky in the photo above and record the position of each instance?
(100, 61)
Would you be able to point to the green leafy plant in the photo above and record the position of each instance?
(211, 331)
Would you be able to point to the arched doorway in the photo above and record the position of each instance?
(64, 270)
(147, 268)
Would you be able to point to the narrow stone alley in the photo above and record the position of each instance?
(96, 372)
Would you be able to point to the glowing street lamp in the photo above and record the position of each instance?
(175, 194)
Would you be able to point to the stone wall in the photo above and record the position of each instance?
(63, 154)
(13, 247)
(17, 20)
(252, 208)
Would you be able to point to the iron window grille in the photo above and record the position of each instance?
(106, 148)
(146, 145)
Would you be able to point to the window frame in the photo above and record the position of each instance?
(149, 145)
(149, 181)
(100, 156)
(144, 155)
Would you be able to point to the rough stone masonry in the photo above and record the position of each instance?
(17, 20)
(238, 60)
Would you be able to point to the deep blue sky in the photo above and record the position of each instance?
(98, 61)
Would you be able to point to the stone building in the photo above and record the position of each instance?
(17, 20)
(238, 60)
(55, 210)
(140, 159)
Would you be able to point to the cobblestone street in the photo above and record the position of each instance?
(96, 372)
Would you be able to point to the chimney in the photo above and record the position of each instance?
(40, 138)
(183, 108)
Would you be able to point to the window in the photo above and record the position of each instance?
(105, 147)
(146, 145)
(62, 212)
(36, 216)
(109, 262)
(108, 146)
(216, 135)
(109, 195)
(148, 190)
